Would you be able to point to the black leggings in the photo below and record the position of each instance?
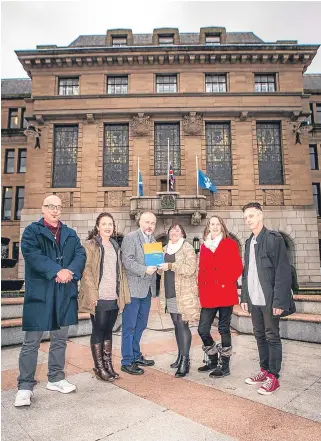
(183, 334)
(103, 323)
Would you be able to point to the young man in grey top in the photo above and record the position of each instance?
(266, 294)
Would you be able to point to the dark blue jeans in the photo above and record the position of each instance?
(134, 323)
(267, 334)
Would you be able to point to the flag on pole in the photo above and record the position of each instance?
(171, 178)
(140, 184)
(205, 182)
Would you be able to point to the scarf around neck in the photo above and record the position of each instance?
(172, 248)
(212, 244)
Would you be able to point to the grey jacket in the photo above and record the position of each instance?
(273, 269)
(133, 260)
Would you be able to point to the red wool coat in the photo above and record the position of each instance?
(218, 273)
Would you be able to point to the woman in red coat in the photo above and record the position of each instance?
(220, 266)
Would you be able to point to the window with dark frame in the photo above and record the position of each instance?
(310, 118)
(316, 197)
(15, 250)
(218, 153)
(162, 133)
(116, 155)
(6, 203)
(65, 157)
(13, 119)
(269, 153)
(4, 250)
(24, 122)
(20, 197)
(265, 83)
(22, 160)
(166, 40)
(215, 83)
(166, 83)
(117, 84)
(9, 161)
(68, 86)
(314, 163)
(119, 41)
(318, 114)
(212, 39)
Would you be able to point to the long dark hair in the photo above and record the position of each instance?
(94, 232)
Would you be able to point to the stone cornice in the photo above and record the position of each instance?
(168, 55)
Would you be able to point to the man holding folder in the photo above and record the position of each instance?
(142, 286)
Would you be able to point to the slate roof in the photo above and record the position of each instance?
(16, 87)
(185, 38)
(312, 83)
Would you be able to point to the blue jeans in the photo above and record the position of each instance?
(134, 323)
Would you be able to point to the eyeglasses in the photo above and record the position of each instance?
(53, 207)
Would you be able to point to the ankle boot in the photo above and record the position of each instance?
(183, 368)
(211, 363)
(176, 363)
(223, 369)
(99, 369)
(107, 358)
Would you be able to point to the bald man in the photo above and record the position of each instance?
(54, 262)
(142, 286)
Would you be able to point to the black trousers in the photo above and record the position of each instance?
(267, 334)
(102, 323)
(224, 321)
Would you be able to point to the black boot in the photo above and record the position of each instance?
(108, 365)
(223, 369)
(211, 363)
(176, 363)
(183, 368)
(99, 369)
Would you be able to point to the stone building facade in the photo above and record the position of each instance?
(231, 99)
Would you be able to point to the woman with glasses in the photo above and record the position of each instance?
(178, 294)
(103, 292)
(220, 266)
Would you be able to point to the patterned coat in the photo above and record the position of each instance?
(185, 268)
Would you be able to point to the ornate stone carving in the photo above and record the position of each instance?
(167, 223)
(140, 204)
(66, 199)
(196, 218)
(137, 217)
(196, 203)
(167, 202)
(222, 198)
(115, 198)
(141, 125)
(192, 124)
(273, 197)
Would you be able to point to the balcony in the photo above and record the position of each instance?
(170, 204)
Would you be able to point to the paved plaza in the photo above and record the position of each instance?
(158, 406)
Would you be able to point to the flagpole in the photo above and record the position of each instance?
(196, 176)
(138, 177)
(167, 165)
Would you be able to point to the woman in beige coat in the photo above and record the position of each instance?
(103, 292)
(179, 294)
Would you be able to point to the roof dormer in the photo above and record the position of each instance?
(166, 36)
(119, 37)
(212, 36)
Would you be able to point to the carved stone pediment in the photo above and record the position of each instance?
(66, 199)
(115, 198)
(141, 125)
(192, 124)
(167, 202)
(273, 197)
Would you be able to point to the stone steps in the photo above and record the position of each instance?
(302, 326)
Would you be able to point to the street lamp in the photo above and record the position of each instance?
(196, 244)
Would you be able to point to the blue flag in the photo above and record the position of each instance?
(140, 183)
(205, 182)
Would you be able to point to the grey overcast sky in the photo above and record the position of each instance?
(26, 24)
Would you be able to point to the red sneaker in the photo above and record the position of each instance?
(271, 385)
(258, 378)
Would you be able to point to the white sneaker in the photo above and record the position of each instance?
(23, 398)
(62, 386)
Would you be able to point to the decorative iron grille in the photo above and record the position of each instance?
(269, 153)
(218, 153)
(116, 155)
(162, 133)
(65, 157)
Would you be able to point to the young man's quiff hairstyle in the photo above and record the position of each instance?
(252, 205)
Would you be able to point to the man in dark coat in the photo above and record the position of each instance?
(266, 294)
(54, 261)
